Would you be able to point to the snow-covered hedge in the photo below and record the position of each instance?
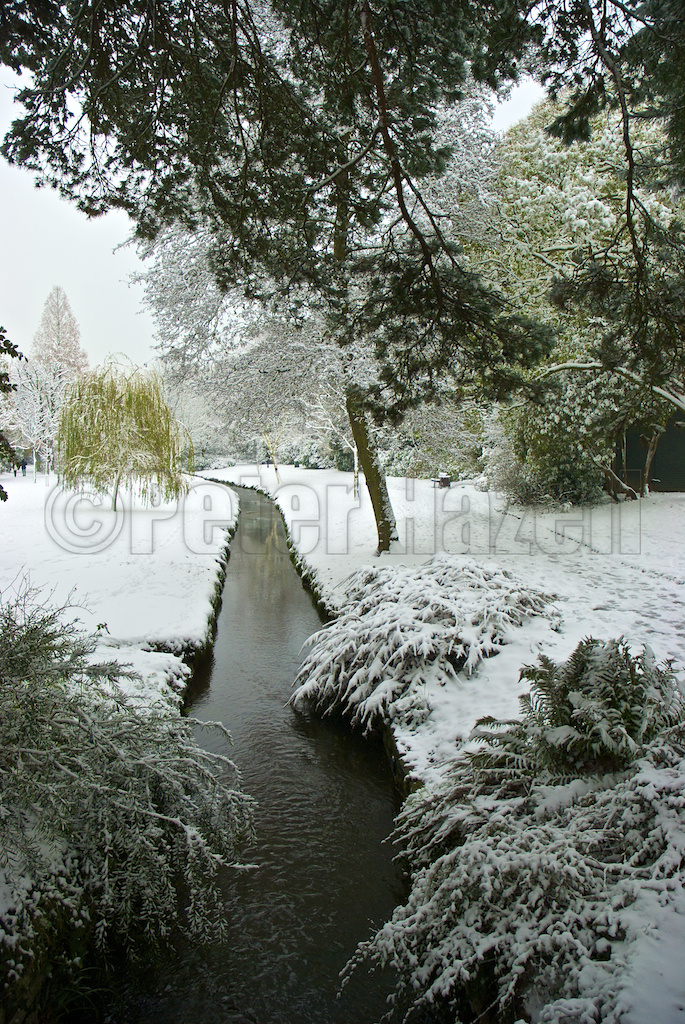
(113, 821)
(542, 861)
(401, 627)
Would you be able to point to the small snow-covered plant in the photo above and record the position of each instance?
(538, 860)
(401, 628)
(113, 821)
(593, 714)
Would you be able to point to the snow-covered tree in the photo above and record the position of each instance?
(268, 371)
(192, 405)
(115, 822)
(116, 428)
(57, 340)
(311, 172)
(307, 136)
(538, 860)
(8, 350)
(561, 206)
(435, 438)
(34, 409)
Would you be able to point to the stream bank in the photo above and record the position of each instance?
(325, 878)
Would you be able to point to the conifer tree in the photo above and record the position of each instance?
(299, 130)
(57, 340)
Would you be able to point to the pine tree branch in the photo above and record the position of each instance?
(384, 126)
(344, 168)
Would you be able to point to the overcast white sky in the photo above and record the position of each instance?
(47, 242)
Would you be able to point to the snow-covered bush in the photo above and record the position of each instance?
(542, 456)
(400, 628)
(540, 860)
(594, 713)
(113, 821)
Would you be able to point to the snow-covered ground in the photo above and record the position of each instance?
(150, 574)
(613, 570)
(144, 577)
(147, 577)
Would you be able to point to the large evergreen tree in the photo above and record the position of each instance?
(57, 340)
(289, 128)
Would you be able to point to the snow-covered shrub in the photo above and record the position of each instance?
(400, 628)
(113, 821)
(593, 714)
(536, 873)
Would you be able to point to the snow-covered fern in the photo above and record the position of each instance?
(536, 878)
(401, 627)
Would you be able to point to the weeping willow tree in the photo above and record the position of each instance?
(116, 429)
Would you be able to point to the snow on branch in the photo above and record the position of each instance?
(545, 864)
(401, 627)
(113, 821)
(674, 393)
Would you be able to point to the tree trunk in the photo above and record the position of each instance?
(365, 450)
(624, 458)
(375, 479)
(271, 453)
(651, 452)
(116, 491)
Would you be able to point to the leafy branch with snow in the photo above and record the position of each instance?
(114, 823)
(541, 860)
(400, 628)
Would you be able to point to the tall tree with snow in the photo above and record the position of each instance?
(304, 134)
(8, 350)
(303, 150)
(267, 372)
(561, 206)
(57, 340)
(35, 405)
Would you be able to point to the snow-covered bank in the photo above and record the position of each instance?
(613, 570)
(144, 578)
(147, 579)
(564, 901)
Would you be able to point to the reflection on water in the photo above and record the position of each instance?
(325, 878)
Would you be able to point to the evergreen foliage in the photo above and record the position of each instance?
(114, 822)
(562, 207)
(56, 342)
(299, 134)
(304, 134)
(400, 628)
(8, 350)
(594, 713)
(117, 428)
(537, 860)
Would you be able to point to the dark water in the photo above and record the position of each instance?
(325, 878)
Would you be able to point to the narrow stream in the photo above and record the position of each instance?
(326, 804)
